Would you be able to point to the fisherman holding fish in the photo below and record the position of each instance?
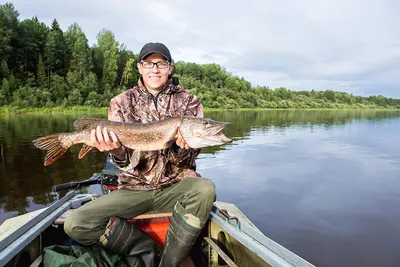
(164, 179)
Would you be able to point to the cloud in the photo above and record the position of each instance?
(350, 46)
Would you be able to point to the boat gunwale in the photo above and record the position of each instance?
(16, 241)
(264, 247)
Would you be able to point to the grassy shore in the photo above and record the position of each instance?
(86, 109)
(76, 109)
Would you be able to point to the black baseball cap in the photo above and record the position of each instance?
(158, 48)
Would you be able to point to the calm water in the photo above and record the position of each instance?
(325, 184)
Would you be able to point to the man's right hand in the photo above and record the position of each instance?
(107, 141)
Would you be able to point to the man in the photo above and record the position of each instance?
(155, 180)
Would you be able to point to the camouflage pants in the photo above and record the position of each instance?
(88, 223)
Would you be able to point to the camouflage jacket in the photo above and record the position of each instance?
(162, 167)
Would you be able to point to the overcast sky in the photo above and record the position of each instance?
(342, 45)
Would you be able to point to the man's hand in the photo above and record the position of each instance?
(181, 142)
(106, 141)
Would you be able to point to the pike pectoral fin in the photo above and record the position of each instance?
(53, 145)
(84, 150)
(135, 158)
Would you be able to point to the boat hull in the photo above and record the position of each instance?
(231, 238)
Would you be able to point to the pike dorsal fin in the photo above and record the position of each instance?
(84, 122)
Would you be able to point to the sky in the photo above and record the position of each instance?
(341, 45)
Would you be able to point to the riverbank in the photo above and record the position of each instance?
(74, 109)
(87, 109)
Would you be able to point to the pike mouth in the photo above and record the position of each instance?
(217, 128)
(220, 137)
(216, 136)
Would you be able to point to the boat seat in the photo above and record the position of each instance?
(155, 223)
(148, 215)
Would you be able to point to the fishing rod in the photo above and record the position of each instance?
(107, 177)
(96, 178)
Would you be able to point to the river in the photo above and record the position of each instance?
(324, 184)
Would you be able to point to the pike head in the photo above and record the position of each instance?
(203, 132)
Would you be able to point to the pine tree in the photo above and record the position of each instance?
(56, 51)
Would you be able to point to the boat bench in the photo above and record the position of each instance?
(148, 215)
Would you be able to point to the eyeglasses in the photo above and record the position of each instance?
(150, 65)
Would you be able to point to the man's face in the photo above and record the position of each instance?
(154, 78)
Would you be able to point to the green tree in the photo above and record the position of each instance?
(283, 93)
(237, 84)
(13, 84)
(128, 72)
(215, 74)
(41, 73)
(109, 51)
(33, 36)
(80, 54)
(59, 89)
(55, 51)
(89, 84)
(330, 95)
(123, 56)
(75, 98)
(8, 35)
(4, 92)
(71, 34)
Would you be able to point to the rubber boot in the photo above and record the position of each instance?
(182, 234)
(126, 239)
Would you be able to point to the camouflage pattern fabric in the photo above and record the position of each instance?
(162, 167)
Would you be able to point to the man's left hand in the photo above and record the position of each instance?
(181, 142)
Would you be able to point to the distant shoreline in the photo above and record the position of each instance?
(86, 109)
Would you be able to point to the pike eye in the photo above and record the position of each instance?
(206, 123)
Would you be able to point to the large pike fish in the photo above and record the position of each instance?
(197, 133)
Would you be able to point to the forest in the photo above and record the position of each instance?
(44, 67)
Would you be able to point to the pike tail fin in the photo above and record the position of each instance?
(53, 145)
